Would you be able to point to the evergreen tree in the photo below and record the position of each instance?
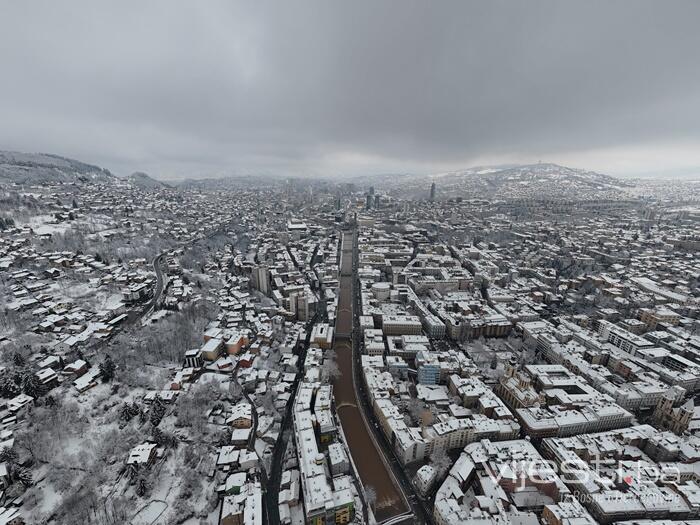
(107, 368)
(8, 455)
(141, 487)
(32, 386)
(23, 475)
(125, 413)
(8, 386)
(158, 436)
(135, 409)
(157, 411)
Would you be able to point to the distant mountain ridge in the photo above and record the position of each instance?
(510, 181)
(35, 168)
(541, 171)
(224, 182)
(144, 181)
(502, 181)
(45, 168)
(542, 180)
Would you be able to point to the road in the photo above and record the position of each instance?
(254, 412)
(160, 281)
(157, 292)
(274, 477)
(137, 313)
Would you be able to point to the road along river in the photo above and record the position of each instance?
(370, 465)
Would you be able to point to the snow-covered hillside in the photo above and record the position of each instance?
(33, 168)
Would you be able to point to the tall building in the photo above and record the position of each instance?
(668, 417)
(261, 279)
(432, 192)
(302, 305)
(428, 368)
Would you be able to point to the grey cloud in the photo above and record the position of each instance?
(330, 87)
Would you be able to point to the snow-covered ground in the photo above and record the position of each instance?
(149, 513)
(45, 224)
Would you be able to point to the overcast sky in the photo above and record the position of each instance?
(333, 88)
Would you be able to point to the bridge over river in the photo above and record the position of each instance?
(390, 504)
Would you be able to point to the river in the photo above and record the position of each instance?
(372, 469)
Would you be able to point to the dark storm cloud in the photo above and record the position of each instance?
(204, 88)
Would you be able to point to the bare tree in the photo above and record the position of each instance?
(415, 409)
(441, 462)
(329, 368)
(235, 391)
(267, 401)
(370, 496)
